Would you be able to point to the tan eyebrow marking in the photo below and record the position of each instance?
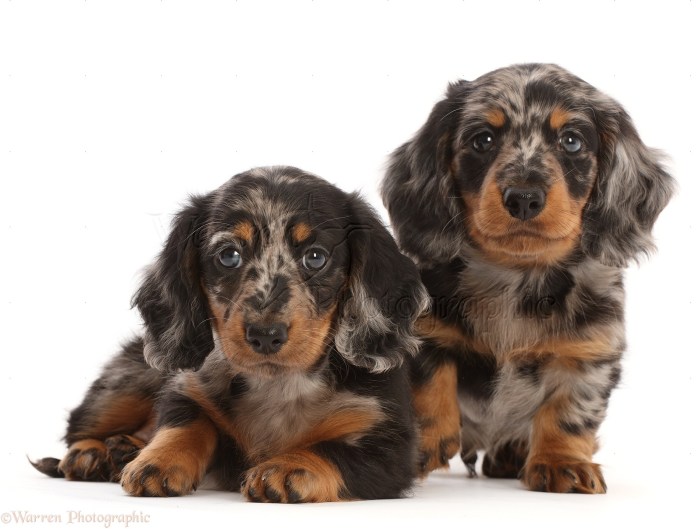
(244, 230)
(495, 117)
(558, 118)
(301, 232)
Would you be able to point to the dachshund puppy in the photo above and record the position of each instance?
(521, 199)
(277, 319)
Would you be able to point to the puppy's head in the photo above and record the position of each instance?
(277, 268)
(527, 164)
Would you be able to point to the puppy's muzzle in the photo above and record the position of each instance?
(266, 339)
(523, 203)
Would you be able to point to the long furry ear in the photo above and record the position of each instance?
(419, 191)
(178, 334)
(631, 190)
(384, 298)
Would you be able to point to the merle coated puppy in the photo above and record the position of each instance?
(522, 198)
(277, 318)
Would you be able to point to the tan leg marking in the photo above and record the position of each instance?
(569, 351)
(174, 462)
(559, 461)
(300, 476)
(447, 335)
(437, 408)
(123, 414)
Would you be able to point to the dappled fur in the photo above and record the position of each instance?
(527, 296)
(313, 407)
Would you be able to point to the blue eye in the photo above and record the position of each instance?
(570, 142)
(314, 259)
(230, 258)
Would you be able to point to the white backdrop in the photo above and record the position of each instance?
(112, 112)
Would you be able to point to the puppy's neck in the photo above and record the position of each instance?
(286, 387)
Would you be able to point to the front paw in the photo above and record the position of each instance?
(293, 478)
(437, 448)
(144, 477)
(564, 476)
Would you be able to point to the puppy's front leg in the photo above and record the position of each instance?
(375, 468)
(437, 410)
(356, 453)
(561, 460)
(174, 462)
(563, 437)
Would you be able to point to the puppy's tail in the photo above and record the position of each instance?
(48, 466)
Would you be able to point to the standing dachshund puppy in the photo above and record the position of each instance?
(522, 198)
(277, 318)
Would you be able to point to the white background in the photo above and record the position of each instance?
(111, 113)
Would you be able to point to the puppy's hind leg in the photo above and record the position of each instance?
(107, 429)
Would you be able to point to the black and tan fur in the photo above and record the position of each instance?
(279, 374)
(522, 198)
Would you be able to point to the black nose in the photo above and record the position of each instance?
(266, 339)
(522, 203)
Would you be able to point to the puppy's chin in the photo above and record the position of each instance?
(525, 248)
(285, 362)
(266, 370)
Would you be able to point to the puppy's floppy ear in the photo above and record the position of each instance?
(419, 191)
(631, 190)
(178, 334)
(385, 296)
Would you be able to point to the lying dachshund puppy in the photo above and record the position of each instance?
(277, 319)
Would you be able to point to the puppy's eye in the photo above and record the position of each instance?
(314, 259)
(483, 141)
(570, 142)
(230, 258)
